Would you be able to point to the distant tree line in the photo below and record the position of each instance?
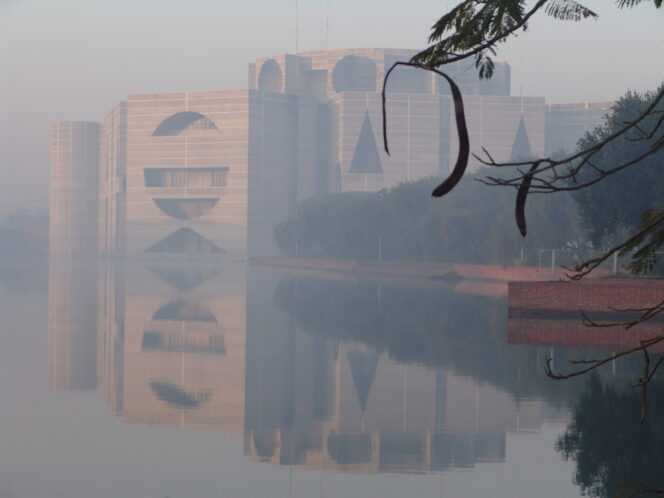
(474, 224)
(23, 232)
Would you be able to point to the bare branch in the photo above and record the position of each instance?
(585, 267)
(646, 314)
(602, 361)
(651, 133)
(581, 158)
(641, 489)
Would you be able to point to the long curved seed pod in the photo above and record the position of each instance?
(462, 130)
(522, 194)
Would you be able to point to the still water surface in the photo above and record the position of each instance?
(163, 379)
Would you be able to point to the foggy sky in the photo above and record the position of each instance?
(74, 59)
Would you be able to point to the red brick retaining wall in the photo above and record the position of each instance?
(572, 333)
(587, 295)
(527, 300)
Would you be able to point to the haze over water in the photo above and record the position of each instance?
(171, 379)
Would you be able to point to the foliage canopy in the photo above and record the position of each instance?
(616, 204)
(471, 226)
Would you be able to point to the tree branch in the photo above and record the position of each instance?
(434, 55)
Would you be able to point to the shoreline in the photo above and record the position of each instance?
(489, 280)
(416, 270)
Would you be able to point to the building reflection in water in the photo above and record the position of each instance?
(341, 406)
(207, 347)
(169, 341)
(72, 331)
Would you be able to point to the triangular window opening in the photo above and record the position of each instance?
(365, 158)
(521, 146)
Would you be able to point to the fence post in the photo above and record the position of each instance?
(553, 263)
(539, 261)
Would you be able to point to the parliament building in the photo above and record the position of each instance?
(207, 174)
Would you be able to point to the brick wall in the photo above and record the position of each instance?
(548, 313)
(587, 295)
(572, 333)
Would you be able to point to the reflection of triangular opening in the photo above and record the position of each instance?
(521, 145)
(184, 279)
(365, 158)
(363, 368)
(186, 241)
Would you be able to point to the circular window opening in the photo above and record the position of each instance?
(353, 73)
(269, 79)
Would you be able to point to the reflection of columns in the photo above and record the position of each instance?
(72, 341)
(110, 337)
(289, 379)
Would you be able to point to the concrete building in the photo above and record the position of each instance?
(567, 123)
(185, 173)
(208, 174)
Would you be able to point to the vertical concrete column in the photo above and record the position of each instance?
(74, 188)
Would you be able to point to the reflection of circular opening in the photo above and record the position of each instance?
(353, 73)
(178, 397)
(269, 79)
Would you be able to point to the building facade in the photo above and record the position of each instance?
(208, 174)
(567, 123)
(73, 187)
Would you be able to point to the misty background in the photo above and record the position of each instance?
(74, 59)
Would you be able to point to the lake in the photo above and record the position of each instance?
(173, 379)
